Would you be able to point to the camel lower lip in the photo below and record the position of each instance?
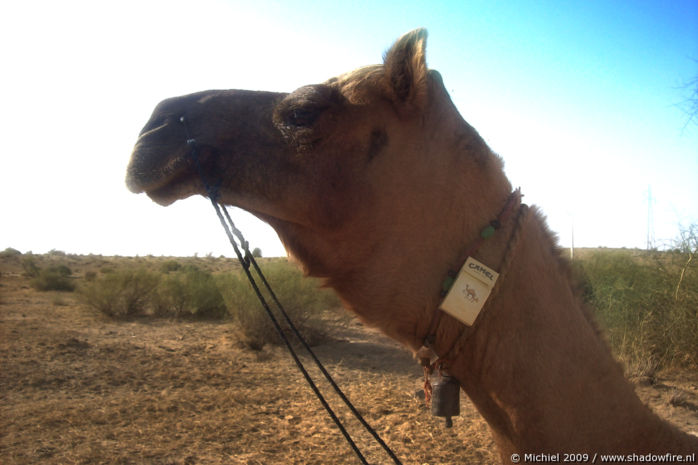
(146, 175)
(152, 187)
(160, 198)
(177, 185)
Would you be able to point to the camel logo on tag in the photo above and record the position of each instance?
(470, 294)
(470, 291)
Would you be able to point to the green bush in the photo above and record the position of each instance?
(10, 252)
(190, 293)
(301, 297)
(125, 293)
(170, 266)
(107, 269)
(55, 278)
(61, 270)
(31, 269)
(633, 294)
(122, 293)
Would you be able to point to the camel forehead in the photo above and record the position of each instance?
(360, 85)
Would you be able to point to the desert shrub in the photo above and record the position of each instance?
(633, 295)
(107, 269)
(121, 293)
(301, 297)
(62, 270)
(10, 252)
(170, 298)
(189, 267)
(189, 293)
(29, 266)
(54, 278)
(205, 299)
(90, 275)
(170, 265)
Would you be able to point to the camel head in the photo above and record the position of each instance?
(375, 182)
(348, 172)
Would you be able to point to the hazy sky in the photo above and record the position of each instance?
(582, 99)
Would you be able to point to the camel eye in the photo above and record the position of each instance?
(303, 117)
(302, 108)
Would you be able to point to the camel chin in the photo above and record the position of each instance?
(170, 193)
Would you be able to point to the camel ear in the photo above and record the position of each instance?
(406, 68)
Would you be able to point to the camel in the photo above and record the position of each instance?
(374, 182)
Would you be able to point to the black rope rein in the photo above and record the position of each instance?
(247, 260)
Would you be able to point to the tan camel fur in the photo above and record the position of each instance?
(375, 182)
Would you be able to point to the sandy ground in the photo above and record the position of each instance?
(77, 388)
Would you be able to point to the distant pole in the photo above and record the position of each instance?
(650, 220)
(572, 245)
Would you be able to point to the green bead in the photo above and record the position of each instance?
(447, 283)
(487, 232)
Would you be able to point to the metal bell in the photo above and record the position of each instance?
(445, 400)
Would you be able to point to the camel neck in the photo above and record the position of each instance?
(542, 376)
(513, 211)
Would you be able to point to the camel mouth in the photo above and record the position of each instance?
(176, 188)
(161, 169)
(147, 170)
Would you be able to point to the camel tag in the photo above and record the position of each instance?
(470, 291)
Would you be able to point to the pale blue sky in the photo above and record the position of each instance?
(581, 99)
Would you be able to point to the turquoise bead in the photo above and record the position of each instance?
(487, 232)
(447, 283)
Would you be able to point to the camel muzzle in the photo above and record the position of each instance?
(233, 124)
